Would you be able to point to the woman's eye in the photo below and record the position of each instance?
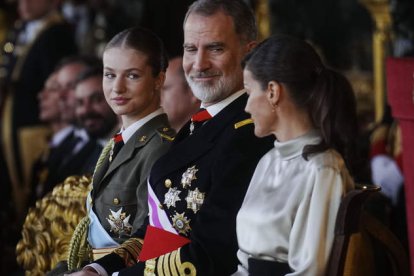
(109, 75)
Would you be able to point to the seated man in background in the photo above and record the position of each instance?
(69, 147)
(176, 97)
(92, 111)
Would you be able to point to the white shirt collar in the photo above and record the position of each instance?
(214, 109)
(129, 131)
(59, 136)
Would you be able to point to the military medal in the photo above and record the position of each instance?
(171, 197)
(117, 140)
(188, 176)
(194, 200)
(111, 152)
(192, 127)
(119, 223)
(201, 116)
(181, 223)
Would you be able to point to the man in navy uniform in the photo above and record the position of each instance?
(196, 189)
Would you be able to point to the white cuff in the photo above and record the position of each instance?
(98, 268)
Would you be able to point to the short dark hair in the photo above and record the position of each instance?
(95, 71)
(242, 15)
(145, 41)
(89, 61)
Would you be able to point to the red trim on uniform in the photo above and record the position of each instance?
(201, 116)
(158, 242)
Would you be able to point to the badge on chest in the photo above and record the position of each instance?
(186, 191)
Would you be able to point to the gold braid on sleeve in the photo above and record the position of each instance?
(129, 251)
(79, 249)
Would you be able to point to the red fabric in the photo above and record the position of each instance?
(201, 116)
(118, 138)
(378, 148)
(400, 95)
(158, 242)
(400, 87)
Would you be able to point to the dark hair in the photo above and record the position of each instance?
(95, 71)
(145, 41)
(325, 94)
(243, 17)
(89, 61)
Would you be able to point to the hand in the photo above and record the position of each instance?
(87, 271)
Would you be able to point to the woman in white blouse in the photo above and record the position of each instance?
(286, 223)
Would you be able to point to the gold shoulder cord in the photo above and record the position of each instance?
(103, 154)
(79, 248)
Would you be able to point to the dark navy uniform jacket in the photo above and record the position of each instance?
(220, 158)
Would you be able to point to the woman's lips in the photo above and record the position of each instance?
(120, 100)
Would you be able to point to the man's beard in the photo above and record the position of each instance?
(213, 91)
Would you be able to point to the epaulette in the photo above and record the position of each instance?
(243, 123)
(166, 133)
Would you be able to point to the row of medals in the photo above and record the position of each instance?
(194, 200)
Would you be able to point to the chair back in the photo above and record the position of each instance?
(363, 246)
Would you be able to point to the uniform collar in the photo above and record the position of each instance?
(214, 109)
(129, 131)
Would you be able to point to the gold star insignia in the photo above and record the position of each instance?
(181, 223)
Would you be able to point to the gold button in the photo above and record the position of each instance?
(165, 129)
(116, 201)
(160, 205)
(8, 47)
(167, 183)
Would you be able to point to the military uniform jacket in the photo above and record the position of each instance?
(215, 165)
(122, 183)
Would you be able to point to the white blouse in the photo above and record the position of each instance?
(289, 212)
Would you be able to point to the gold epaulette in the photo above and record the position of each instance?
(243, 123)
(166, 133)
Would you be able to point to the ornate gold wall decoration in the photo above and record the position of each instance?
(380, 12)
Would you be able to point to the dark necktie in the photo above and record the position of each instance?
(116, 147)
(199, 119)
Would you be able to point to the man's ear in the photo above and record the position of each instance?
(251, 45)
(159, 82)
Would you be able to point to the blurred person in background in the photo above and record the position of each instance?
(39, 39)
(177, 99)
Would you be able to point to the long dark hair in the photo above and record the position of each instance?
(145, 41)
(325, 94)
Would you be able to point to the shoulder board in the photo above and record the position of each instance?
(243, 123)
(166, 133)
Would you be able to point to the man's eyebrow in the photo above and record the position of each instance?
(208, 45)
(215, 44)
